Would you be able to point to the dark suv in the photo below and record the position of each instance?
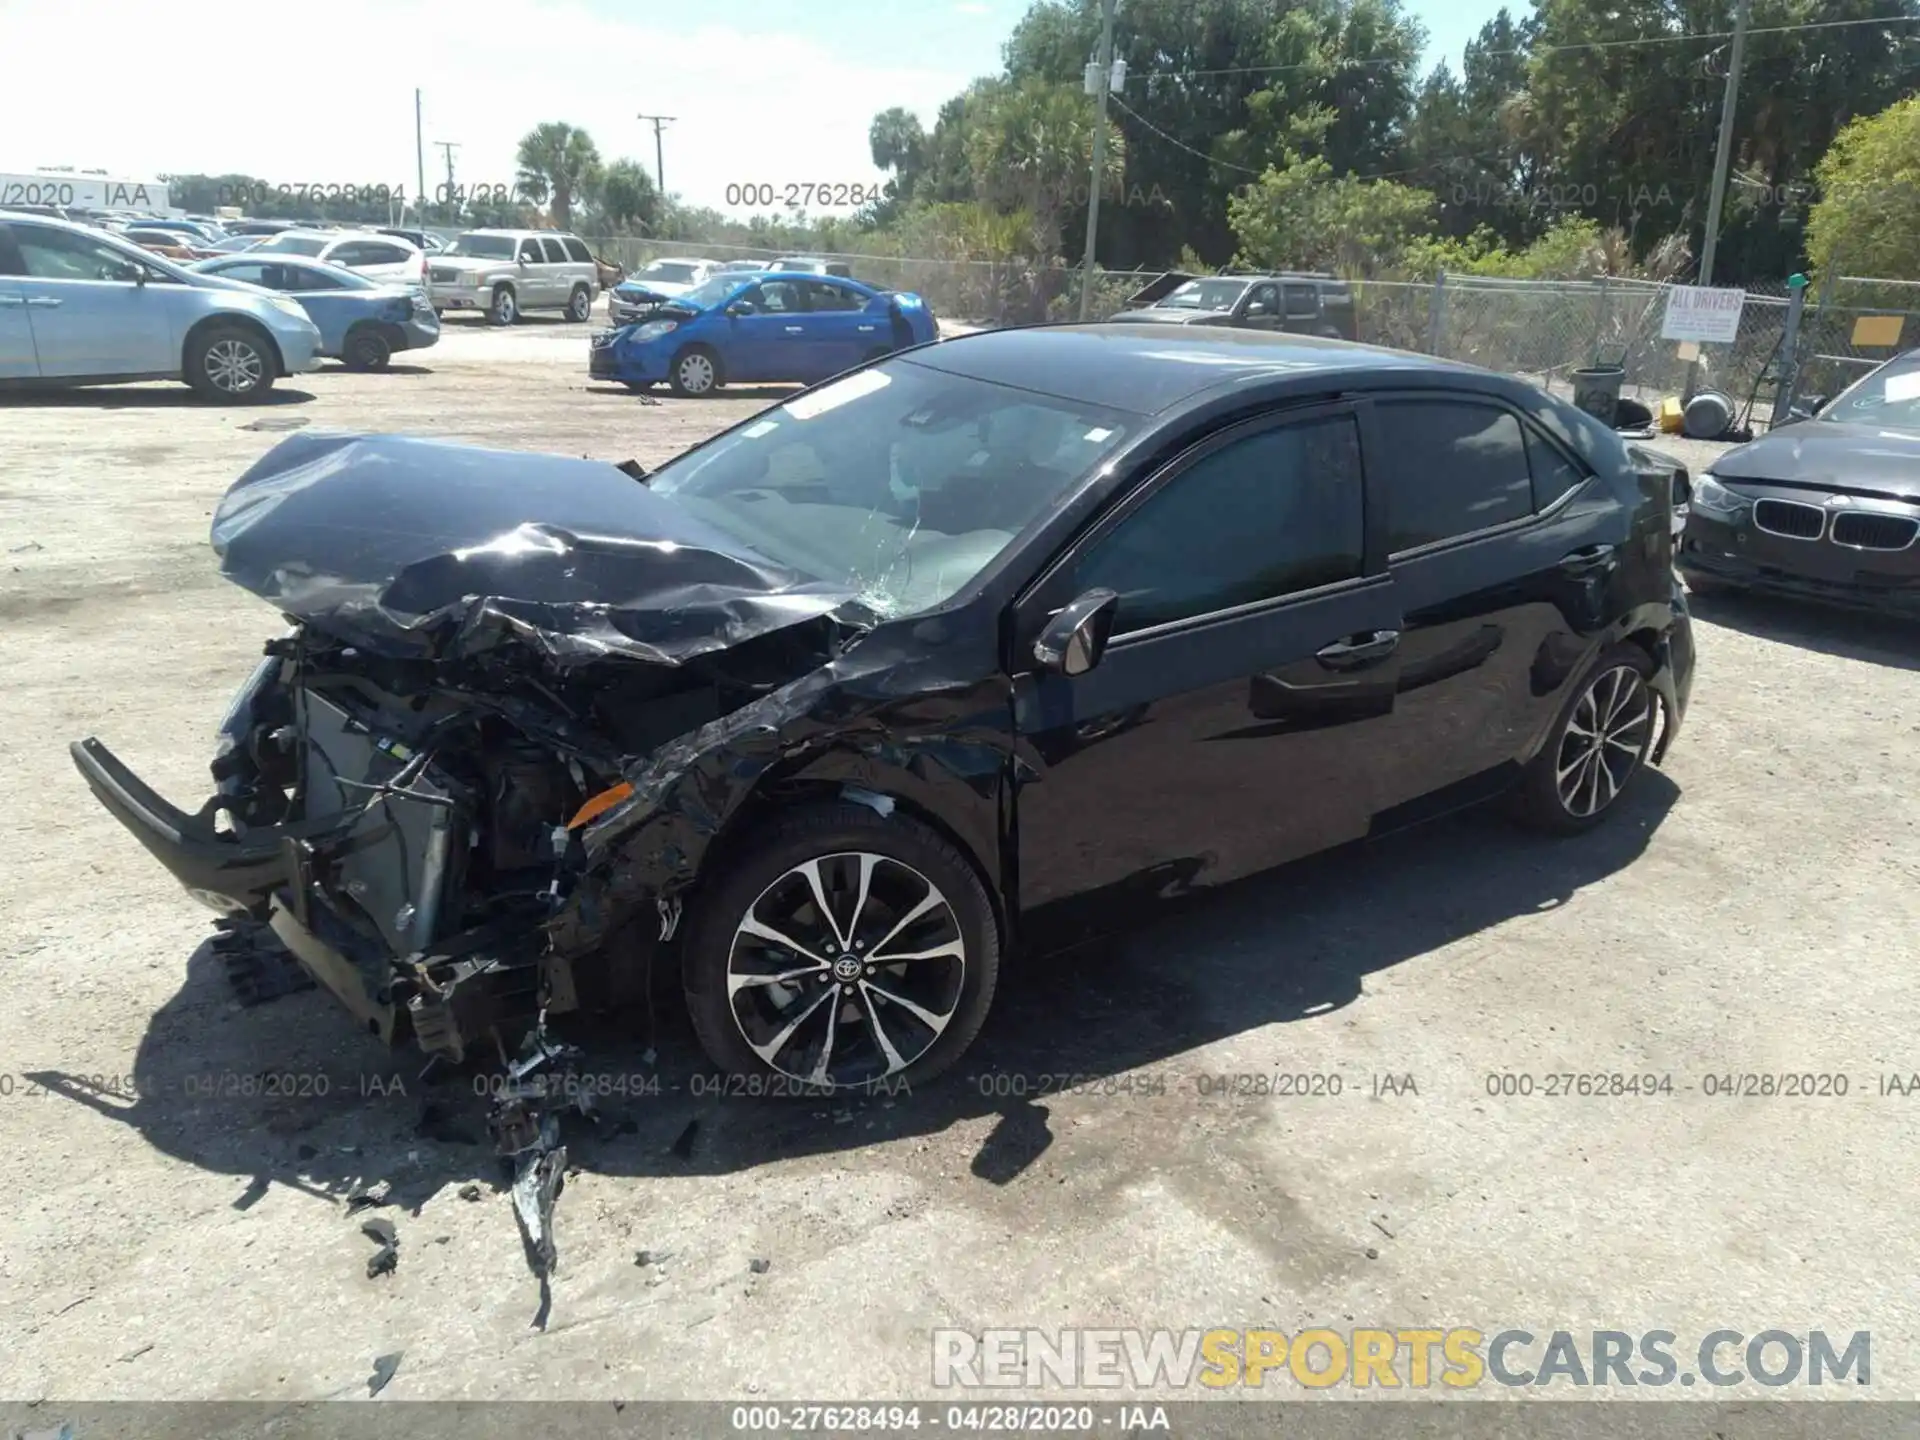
(959, 651)
(1297, 303)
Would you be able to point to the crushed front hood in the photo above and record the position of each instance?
(422, 548)
(1831, 455)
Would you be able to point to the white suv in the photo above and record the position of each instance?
(503, 272)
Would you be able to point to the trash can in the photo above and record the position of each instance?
(1596, 390)
(1708, 415)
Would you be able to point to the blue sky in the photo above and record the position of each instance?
(768, 92)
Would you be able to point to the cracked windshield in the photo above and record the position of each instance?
(975, 716)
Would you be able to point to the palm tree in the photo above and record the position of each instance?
(559, 163)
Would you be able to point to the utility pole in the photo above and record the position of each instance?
(420, 157)
(1722, 160)
(453, 196)
(659, 154)
(1101, 74)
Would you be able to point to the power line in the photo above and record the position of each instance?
(1529, 51)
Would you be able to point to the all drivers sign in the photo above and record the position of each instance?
(1703, 315)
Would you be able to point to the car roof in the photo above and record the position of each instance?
(522, 234)
(1148, 369)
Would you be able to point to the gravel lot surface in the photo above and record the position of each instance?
(1754, 910)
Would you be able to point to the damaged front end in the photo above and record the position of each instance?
(404, 786)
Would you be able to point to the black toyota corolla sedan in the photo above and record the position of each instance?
(837, 708)
(1825, 509)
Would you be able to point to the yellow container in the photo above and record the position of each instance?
(1671, 416)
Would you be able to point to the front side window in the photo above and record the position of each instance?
(530, 251)
(1268, 515)
(900, 482)
(1454, 467)
(1265, 300)
(49, 254)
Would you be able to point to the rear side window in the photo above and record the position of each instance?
(10, 262)
(1454, 467)
(1303, 301)
(577, 250)
(556, 252)
(1553, 473)
(1269, 515)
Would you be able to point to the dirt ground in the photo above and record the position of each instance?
(173, 1232)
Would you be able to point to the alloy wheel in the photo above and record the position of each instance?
(504, 308)
(696, 374)
(1605, 740)
(234, 366)
(846, 970)
(581, 305)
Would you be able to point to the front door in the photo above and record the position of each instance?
(91, 313)
(768, 339)
(1231, 724)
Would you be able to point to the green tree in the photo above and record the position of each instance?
(1867, 219)
(1031, 150)
(558, 163)
(628, 197)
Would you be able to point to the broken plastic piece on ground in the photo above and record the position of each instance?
(387, 1258)
(470, 1191)
(361, 1196)
(759, 1266)
(258, 966)
(383, 1371)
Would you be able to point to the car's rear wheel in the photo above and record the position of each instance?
(845, 950)
(579, 304)
(695, 371)
(230, 363)
(366, 349)
(1598, 746)
(505, 307)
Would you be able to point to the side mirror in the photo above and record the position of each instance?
(1075, 639)
(737, 309)
(524, 261)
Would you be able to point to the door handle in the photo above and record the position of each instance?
(1587, 559)
(796, 329)
(44, 304)
(865, 328)
(1356, 651)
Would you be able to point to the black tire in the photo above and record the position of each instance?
(231, 363)
(580, 305)
(1564, 779)
(688, 369)
(504, 308)
(911, 861)
(366, 348)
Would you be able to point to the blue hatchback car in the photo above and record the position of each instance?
(779, 326)
(362, 321)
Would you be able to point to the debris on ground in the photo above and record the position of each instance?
(362, 1196)
(387, 1258)
(278, 422)
(759, 1266)
(652, 1257)
(383, 1370)
(470, 1191)
(437, 1124)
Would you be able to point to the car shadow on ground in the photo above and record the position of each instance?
(336, 367)
(1845, 634)
(291, 1093)
(161, 395)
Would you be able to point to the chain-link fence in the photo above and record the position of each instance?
(1540, 329)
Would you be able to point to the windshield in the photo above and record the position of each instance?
(293, 245)
(674, 272)
(901, 482)
(1890, 396)
(1204, 295)
(705, 297)
(482, 247)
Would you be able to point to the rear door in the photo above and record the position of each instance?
(1501, 546)
(841, 330)
(1302, 307)
(558, 270)
(1235, 719)
(17, 360)
(89, 312)
(532, 281)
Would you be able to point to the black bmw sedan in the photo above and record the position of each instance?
(841, 706)
(1825, 509)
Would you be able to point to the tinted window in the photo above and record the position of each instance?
(822, 296)
(1268, 515)
(1206, 295)
(1553, 473)
(1456, 468)
(777, 297)
(254, 272)
(577, 250)
(1303, 301)
(49, 254)
(556, 252)
(482, 247)
(307, 277)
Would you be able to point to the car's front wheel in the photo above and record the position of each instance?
(579, 304)
(695, 371)
(505, 308)
(230, 363)
(366, 349)
(1599, 745)
(845, 950)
